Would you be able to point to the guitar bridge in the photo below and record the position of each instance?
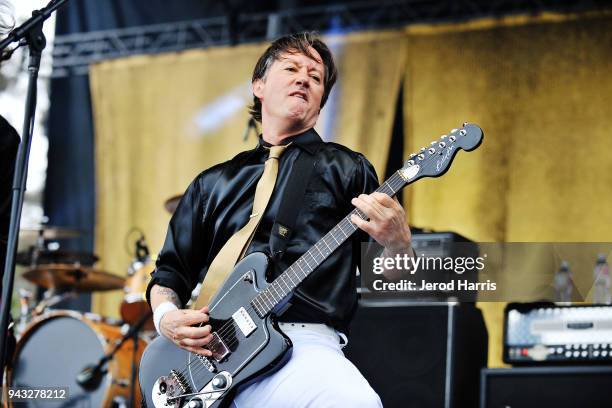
(168, 390)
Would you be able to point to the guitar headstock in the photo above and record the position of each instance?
(434, 160)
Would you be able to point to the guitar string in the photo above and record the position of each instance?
(230, 324)
(394, 185)
(225, 329)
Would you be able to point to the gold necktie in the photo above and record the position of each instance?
(236, 246)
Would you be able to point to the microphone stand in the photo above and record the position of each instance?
(29, 33)
(91, 375)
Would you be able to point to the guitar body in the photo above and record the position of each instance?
(237, 361)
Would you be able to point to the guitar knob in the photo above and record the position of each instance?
(219, 382)
(195, 403)
(162, 387)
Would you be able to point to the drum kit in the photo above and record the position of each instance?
(96, 357)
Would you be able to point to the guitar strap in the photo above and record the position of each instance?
(281, 230)
(291, 204)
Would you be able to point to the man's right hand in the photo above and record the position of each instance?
(178, 326)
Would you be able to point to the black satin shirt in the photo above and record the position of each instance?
(219, 201)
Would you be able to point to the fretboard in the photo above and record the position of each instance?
(286, 283)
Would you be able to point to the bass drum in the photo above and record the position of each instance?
(56, 347)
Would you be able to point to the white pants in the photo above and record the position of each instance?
(316, 376)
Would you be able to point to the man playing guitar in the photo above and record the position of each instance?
(291, 83)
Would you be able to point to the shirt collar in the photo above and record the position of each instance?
(307, 140)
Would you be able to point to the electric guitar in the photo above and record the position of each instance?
(247, 342)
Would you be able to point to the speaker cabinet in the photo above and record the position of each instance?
(546, 387)
(419, 355)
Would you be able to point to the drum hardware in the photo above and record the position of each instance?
(48, 232)
(142, 249)
(134, 305)
(27, 313)
(73, 276)
(91, 375)
(25, 296)
(36, 255)
(51, 299)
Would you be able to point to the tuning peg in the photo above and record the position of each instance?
(431, 150)
(423, 149)
(443, 136)
(441, 145)
(465, 123)
(453, 130)
(411, 155)
(410, 163)
(452, 138)
(421, 156)
(463, 132)
(433, 143)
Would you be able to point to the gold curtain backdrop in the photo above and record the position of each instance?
(370, 71)
(539, 87)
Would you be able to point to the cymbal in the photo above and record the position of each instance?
(49, 232)
(173, 202)
(32, 256)
(76, 277)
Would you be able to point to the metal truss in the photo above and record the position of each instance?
(73, 53)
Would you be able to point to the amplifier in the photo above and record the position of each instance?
(443, 244)
(545, 333)
(427, 355)
(546, 387)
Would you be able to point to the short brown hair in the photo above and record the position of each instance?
(294, 43)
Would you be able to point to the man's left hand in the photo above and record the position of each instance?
(387, 222)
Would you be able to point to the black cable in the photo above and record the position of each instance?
(129, 248)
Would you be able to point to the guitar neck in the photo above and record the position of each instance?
(283, 285)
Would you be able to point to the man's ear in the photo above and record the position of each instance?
(258, 86)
